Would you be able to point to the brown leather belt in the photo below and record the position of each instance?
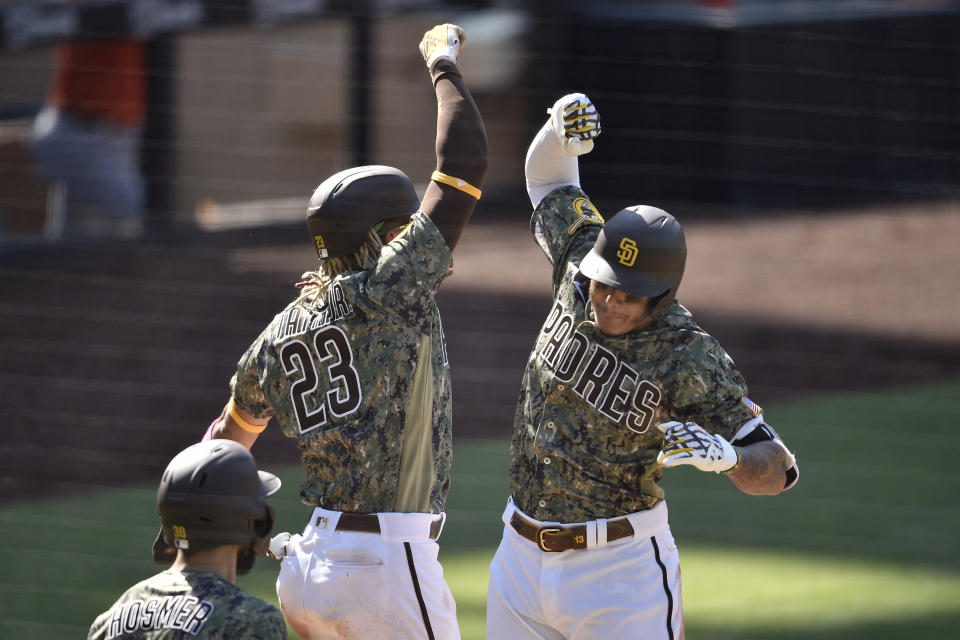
(370, 523)
(563, 538)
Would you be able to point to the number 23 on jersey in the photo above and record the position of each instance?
(326, 362)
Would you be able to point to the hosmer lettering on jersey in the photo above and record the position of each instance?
(182, 613)
(194, 603)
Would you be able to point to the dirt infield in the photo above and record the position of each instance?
(112, 359)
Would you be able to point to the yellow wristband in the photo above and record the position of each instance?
(246, 426)
(734, 467)
(456, 183)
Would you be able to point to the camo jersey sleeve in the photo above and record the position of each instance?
(245, 384)
(705, 385)
(565, 224)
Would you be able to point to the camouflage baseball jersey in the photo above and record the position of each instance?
(362, 382)
(585, 439)
(174, 605)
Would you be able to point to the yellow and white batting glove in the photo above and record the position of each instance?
(689, 443)
(443, 42)
(576, 122)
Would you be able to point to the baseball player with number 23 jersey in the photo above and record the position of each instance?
(621, 384)
(355, 370)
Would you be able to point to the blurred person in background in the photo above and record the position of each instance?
(86, 139)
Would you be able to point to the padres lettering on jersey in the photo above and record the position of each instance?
(605, 382)
(181, 612)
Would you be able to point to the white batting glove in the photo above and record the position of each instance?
(278, 546)
(688, 443)
(443, 42)
(576, 122)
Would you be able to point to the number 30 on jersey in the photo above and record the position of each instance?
(327, 366)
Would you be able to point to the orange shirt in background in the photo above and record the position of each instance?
(101, 80)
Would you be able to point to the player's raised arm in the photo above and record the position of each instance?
(461, 143)
(552, 156)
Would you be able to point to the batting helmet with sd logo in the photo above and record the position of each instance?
(347, 204)
(212, 494)
(641, 250)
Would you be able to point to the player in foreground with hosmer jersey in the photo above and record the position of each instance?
(214, 520)
(620, 384)
(355, 369)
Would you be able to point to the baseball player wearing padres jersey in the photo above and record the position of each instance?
(621, 383)
(189, 604)
(355, 370)
(214, 522)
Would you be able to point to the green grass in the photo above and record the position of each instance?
(863, 547)
(744, 595)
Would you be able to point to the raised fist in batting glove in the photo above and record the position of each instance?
(688, 443)
(443, 42)
(576, 122)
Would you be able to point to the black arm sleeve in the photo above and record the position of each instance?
(461, 153)
(763, 432)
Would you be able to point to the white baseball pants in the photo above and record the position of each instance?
(339, 585)
(627, 588)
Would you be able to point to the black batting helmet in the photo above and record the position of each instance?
(212, 494)
(641, 250)
(347, 204)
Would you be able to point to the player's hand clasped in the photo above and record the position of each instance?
(443, 42)
(576, 122)
(689, 443)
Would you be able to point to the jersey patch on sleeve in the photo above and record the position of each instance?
(587, 212)
(753, 406)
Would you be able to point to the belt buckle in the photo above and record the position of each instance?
(543, 532)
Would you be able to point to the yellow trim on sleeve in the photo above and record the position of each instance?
(456, 183)
(246, 426)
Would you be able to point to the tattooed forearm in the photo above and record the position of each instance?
(760, 471)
